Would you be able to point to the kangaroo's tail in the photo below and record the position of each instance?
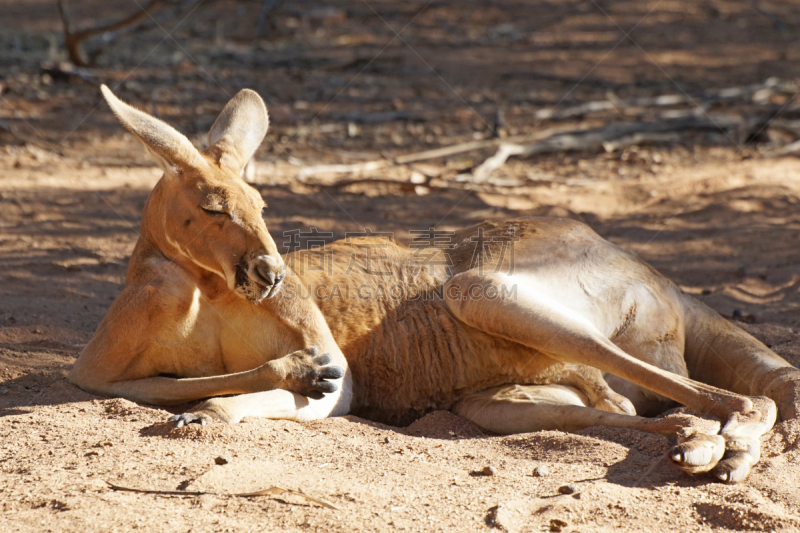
(725, 356)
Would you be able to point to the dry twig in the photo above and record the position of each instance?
(610, 138)
(436, 153)
(341, 169)
(73, 39)
(28, 139)
(264, 492)
(613, 103)
(595, 138)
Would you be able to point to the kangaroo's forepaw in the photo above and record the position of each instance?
(310, 373)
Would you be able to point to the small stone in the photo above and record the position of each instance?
(352, 129)
(387, 440)
(488, 471)
(3, 390)
(417, 178)
(541, 471)
(221, 460)
(569, 488)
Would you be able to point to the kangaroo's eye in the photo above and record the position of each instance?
(213, 213)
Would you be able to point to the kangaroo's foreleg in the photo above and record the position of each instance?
(274, 404)
(126, 358)
(307, 322)
(303, 372)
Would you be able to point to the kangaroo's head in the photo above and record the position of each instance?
(201, 213)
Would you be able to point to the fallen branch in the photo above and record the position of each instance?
(640, 139)
(612, 103)
(407, 186)
(595, 138)
(610, 138)
(28, 139)
(73, 39)
(447, 151)
(341, 169)
(265, 492)
(789, 149)
(65, 71)
(791, 126)
(436, 153)
(482, 172)
(355, 181)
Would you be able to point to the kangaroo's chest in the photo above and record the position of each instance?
(204, 338)
(249, 338)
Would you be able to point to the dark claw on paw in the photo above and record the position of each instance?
(326, 386)
(322, 360)
(332, 372)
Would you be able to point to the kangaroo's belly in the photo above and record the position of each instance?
(420, 357)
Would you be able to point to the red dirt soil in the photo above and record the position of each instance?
(712, 213)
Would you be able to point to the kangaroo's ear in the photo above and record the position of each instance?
(171, 149)
(238, 130)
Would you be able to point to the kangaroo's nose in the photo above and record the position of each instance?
(269, 270)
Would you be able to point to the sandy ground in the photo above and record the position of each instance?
(64, 253)
(714, 214)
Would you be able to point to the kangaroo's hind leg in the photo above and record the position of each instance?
(552, 330)
(510, 409)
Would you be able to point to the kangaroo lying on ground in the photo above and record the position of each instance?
(559, 330)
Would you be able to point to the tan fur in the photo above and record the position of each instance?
(578, 333)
